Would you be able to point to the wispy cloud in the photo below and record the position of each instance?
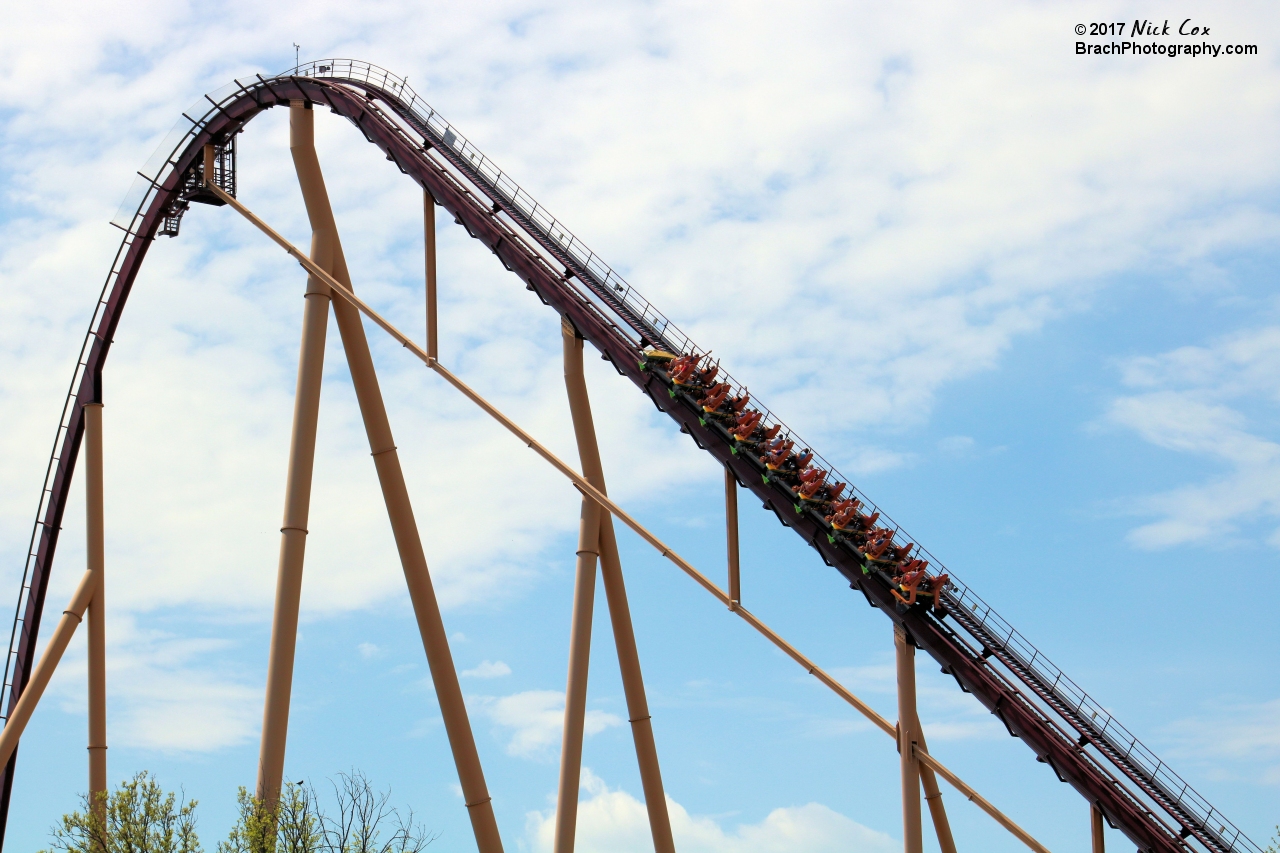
(168, 692)
(487, 669)
(1233, 738)
(535, 720)
(1195, 400)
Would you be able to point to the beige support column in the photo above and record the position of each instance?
(927, 760)
(403, 526)
(44, 669)
(210, 166)
(94, 529)
(615, 591)
(429, 240)
(297, 496)
(1095, 826)
(731, 532)
(933, 796)
(912, 836)
(575, 701)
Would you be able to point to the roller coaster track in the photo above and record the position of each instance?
(1065, 728)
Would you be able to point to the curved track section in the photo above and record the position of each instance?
(1065, 728)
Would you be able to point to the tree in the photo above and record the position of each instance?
(138, 817)
(362, 815)
(299, 825)
(293, 828)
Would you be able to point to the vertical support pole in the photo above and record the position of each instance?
(43, 671)
(731, 532)
(94, 529)
(1095, 820)
(575, 698)
(297, 497)
(404, 527)
(615, 591)
(429, 239)
(912, 836)
(210, 165)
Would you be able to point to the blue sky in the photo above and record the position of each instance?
(1026, 299)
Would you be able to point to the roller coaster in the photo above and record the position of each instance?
(932, 610)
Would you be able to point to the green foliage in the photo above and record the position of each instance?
(294, 827)
(357, 824)
(298, 820)
(141, 818)
(254, 829)
(1275, 842)
(138, 817)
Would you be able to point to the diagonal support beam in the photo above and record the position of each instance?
(933, 796)
(601, 537)
(297, 492)
(71, 618)
(581, 484)
(978, 800)
(575, 693)
(404, 528)
(914, 772)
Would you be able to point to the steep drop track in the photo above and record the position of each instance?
(1065, 728)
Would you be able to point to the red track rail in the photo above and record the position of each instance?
(1101, 760)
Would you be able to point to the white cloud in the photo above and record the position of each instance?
(956, 445)
(536, 720)
(754, 213)
(1231, 737)
(616, 822)
(167, 692)
(367, 650)
(1194, 400)
(852, 221)
(487, 669)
